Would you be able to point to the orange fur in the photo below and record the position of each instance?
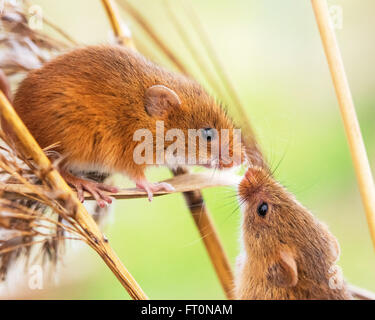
(91, 101)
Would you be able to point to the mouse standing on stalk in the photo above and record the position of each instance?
(91, 101)
(287, 253)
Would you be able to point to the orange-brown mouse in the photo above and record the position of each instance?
(287, 253)
(92, 100)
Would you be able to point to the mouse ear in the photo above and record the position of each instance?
(159, 99)
(283, 273)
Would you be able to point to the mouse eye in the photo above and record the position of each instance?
(263, 209)
(208, 134)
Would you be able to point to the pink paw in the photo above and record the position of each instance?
(150, 188)
(97, 190)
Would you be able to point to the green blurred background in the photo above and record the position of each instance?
(273, 54)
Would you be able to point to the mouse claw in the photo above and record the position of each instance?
(150, 196)
(80, 193)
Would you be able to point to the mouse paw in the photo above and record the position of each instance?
(96, 189)
(150, 188)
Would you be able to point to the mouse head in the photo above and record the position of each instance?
(197, 130)
(280, 233)
(266, 203)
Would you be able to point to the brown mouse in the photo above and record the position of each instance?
(287, 253)
(92, 100)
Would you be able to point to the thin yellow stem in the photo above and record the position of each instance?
(122, 34)
(348, 112)
(158, 41)
(210, 237)
(197, 57)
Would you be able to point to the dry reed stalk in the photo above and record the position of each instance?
(209, 77)
(199, 211)
(122, 34)
(149, 30)
(210, 237)
(183, 183)
(78, 214)
(348, 112)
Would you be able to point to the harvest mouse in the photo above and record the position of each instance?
(287, 253)
(91, 101)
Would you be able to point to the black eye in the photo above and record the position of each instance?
(263, 209)
(208, 134)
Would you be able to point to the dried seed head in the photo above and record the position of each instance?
(23, 48)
